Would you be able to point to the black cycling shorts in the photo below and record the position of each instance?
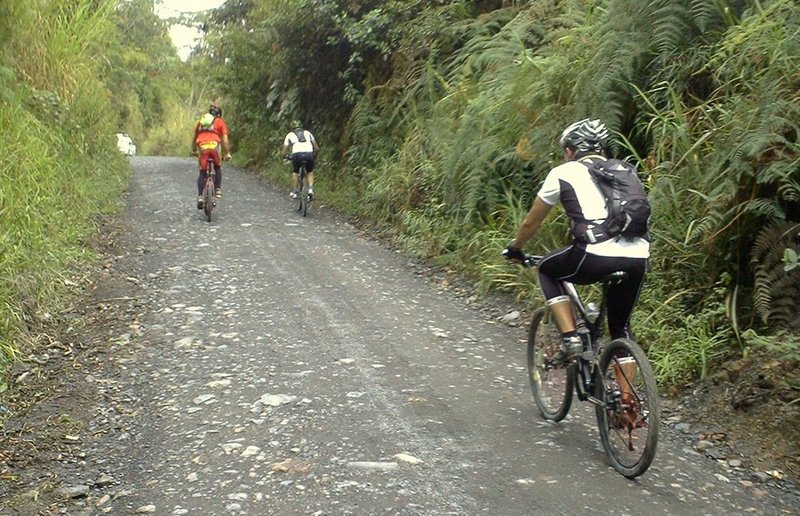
(575, 265)
(299, 158)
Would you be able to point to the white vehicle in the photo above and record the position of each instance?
(125, 144)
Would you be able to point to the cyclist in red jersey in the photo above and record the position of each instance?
(205, 138)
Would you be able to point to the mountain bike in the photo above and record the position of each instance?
(616, 377)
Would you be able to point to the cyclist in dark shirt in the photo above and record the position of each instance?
(582, 263)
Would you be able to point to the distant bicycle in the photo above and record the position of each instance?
(615, 376)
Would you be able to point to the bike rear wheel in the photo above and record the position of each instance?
(208, 197)
(629, 415)
(301, 176)
(304, 200)
(551, 381)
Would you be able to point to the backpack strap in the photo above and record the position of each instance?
(588, 231)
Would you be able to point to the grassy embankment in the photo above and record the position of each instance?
(62, 170)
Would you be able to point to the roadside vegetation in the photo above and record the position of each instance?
(438, 120)
(94, 67)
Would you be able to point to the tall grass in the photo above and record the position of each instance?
(63, 168)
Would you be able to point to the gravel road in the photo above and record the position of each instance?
(289, 365)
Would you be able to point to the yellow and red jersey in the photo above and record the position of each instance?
(218, 128)
(202, 138)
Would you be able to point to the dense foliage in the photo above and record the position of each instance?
(439, 118)
(95, 67)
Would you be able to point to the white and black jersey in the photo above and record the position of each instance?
(292, 140)
(573, 186)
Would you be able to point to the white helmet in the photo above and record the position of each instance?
(585, 136)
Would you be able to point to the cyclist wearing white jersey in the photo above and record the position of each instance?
(582, 263)
(303, 148)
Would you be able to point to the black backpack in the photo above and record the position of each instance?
(626, 203)
(301, 135)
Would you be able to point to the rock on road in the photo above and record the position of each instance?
(288, 365)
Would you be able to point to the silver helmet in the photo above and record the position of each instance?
(585, 136)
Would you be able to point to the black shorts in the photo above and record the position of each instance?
(575, 265)
(303, 157)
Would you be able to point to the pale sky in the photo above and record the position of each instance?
(184, 38)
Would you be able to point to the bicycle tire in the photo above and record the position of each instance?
(301, 174)
(304, 201)
(552, 383)
(208, 198)
(628, 417)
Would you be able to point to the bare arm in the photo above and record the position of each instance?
(531, 224)
(226, 144)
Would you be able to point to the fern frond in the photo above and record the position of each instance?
(776, 293)
(671, 28)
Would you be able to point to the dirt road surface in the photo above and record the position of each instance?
(266, 363)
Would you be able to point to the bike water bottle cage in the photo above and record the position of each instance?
(557, 299)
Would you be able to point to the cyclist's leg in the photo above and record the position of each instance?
(552, 268)
(310, 181)
(624, 369)
(625, 295)
(557, 263)
(201, 182)
(310, 170)
(201, 178)
(218, 176)
(295, 174)
(561, 308)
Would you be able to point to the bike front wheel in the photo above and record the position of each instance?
(551, 381)
(628, 414)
